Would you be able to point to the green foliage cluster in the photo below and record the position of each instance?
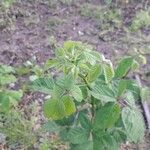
(104, 15)
(141, 19)
(17, 129)
(92, 104)
(8, 97)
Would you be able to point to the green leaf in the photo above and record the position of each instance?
(77, 135)
(65, 82)
(134, 88)
(23, 70)
(54, 109)
(57, 92)
(102, 140)
(64, 134)
(51, 126)
(121, 87)
(84, 121)
(84, 91)
(103, 92)
(76, 93)
(119, 135)
(124, 67)
(50, 64)
(9, 98)
(58, 109)
(4, 103)
(110, 143)
(85, 146)
(67, 121)
(69, 105)
(134, 124)
(70, 45)
(7, 79)
(4, 69)
(106, 116)
(108, 72)
(130, 100)
(94, 73)
(44, 85)
(14, 96)
(145, 94)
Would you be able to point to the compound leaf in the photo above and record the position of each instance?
(124, 67)
(106, 116)
(54, 109)
(134, 124)
(44, 85)
(76, 93)
(78, 135)
(69, 105)
(94, 73)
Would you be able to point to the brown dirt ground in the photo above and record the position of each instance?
(33, 28)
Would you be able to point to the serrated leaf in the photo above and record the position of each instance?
(54, 109)
(65, 82)
(121, 87)
(145, 94)
(134, 124)
(106, 116)
(58, 109)
(94, 73)
(51, 126)
(84, 91)
(77, 135)
(84, 121)
(85, 146)
(76, 93)
(108, 72)
(90, 57)
(103, 92)
(9, 98)
(133, 88)
(69, 105)
(123, 67)
(64, 134)
(50, 64)
(129, 98)
(70, 45)
(119, 135)
(44, 85)
(57, 92)
(110, 142)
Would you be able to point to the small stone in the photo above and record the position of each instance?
(80, 33)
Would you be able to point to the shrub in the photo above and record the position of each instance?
(93, 103)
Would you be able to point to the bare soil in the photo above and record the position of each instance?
(33, 28)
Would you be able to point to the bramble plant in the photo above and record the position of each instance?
(92, 104)
(8, 97)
